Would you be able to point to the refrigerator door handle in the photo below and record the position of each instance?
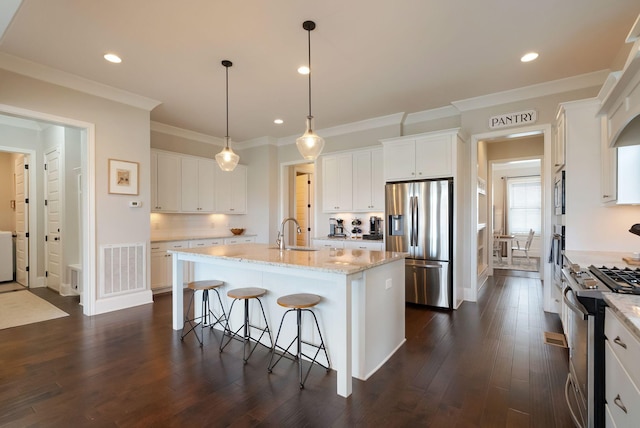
(414, 230)
(411, 214)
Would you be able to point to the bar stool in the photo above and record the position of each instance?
(246, 294)
(204, 318)
(299, 303)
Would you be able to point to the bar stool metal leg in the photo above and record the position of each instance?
(299, 353)
(207, 316)
(246, 326)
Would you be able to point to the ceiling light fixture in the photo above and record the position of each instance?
(529, 57)
(278, 121)
(227, 159)
(310, 145)
(111, 57)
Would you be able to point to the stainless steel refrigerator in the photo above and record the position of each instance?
(419, 222)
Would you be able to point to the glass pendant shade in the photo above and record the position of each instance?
(310, 144)
(227, 159)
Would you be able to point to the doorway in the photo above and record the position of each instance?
(478, 238)
(45, 140)
(298, 201)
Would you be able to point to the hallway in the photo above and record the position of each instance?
(483, 365)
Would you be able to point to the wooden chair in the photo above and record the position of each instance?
(523, 248)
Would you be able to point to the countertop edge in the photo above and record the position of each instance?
(627, 308)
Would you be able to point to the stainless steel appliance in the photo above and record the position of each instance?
(375, 228)
(585, 331)
(336, 228)
(419, 222)
(559, 196)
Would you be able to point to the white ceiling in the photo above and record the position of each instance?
(370, 58)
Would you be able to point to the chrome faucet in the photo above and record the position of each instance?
(280, 238)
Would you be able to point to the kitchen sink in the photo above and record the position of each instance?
(296, 248)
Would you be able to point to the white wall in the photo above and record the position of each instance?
(121, 132)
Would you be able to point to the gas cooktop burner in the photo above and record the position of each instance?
(624, 280)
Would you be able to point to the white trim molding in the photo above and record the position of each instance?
(185, 133)
(68, 80)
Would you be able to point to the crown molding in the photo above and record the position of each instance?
(581, 81)
(257, 142)
(347, 128)
(433, 114)
(185, 133)
(68, 80)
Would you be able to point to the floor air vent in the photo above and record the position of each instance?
(122, 269)
(555, 339)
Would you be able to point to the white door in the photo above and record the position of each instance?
(22, 219)
(53, 214)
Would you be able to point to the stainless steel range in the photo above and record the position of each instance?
(583, 296)
(618, 280)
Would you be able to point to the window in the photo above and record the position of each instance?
(524, 204)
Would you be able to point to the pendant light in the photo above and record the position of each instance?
(310, 144)
(227, 159)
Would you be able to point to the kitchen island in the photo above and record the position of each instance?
(362, 310)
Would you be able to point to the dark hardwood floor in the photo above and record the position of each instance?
(484, 365)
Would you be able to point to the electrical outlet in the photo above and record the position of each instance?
(388, 284)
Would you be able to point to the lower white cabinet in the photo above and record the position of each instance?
(348, 244)
(622, 373)
(162, 265)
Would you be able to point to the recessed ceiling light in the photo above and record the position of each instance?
(529, 56)
(111, 57)
(278, 121)
(304, 70)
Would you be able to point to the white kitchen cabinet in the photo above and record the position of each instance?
(165, 182)
(337, 183)
(209, 242)
(327, 243)
(368, 181)
(559, 140)
(197, 183)
(419, 157)
(364, 245)
(608, 167)
(239, 240)
(231, 190)
(161, 265)
(622, 373)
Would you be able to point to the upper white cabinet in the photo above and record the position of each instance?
(419, 157)
(337, 183)
(191, 184)
(368, 180)
(559, 141)
(165, 182)
(197, 183)
(608, 167)
(231, 190)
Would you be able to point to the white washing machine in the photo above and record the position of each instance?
(6, 256)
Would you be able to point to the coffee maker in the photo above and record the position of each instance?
(336, 228)
(375, 228)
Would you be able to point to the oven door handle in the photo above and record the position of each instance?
(575, 308)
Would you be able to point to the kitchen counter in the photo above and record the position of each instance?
(346, 238)
(598, 258)
(627, 308)
(196, 237)
(362, 309)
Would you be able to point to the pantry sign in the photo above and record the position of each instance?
(512, 119)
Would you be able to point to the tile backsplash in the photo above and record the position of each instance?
(164, 225)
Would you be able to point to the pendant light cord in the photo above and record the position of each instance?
(309, 64)
(227, 90)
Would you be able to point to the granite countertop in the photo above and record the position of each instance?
(343, 261)
(196, 237)
(628, 308)
(625, 305)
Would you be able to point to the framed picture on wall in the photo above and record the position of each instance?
(123, 177)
